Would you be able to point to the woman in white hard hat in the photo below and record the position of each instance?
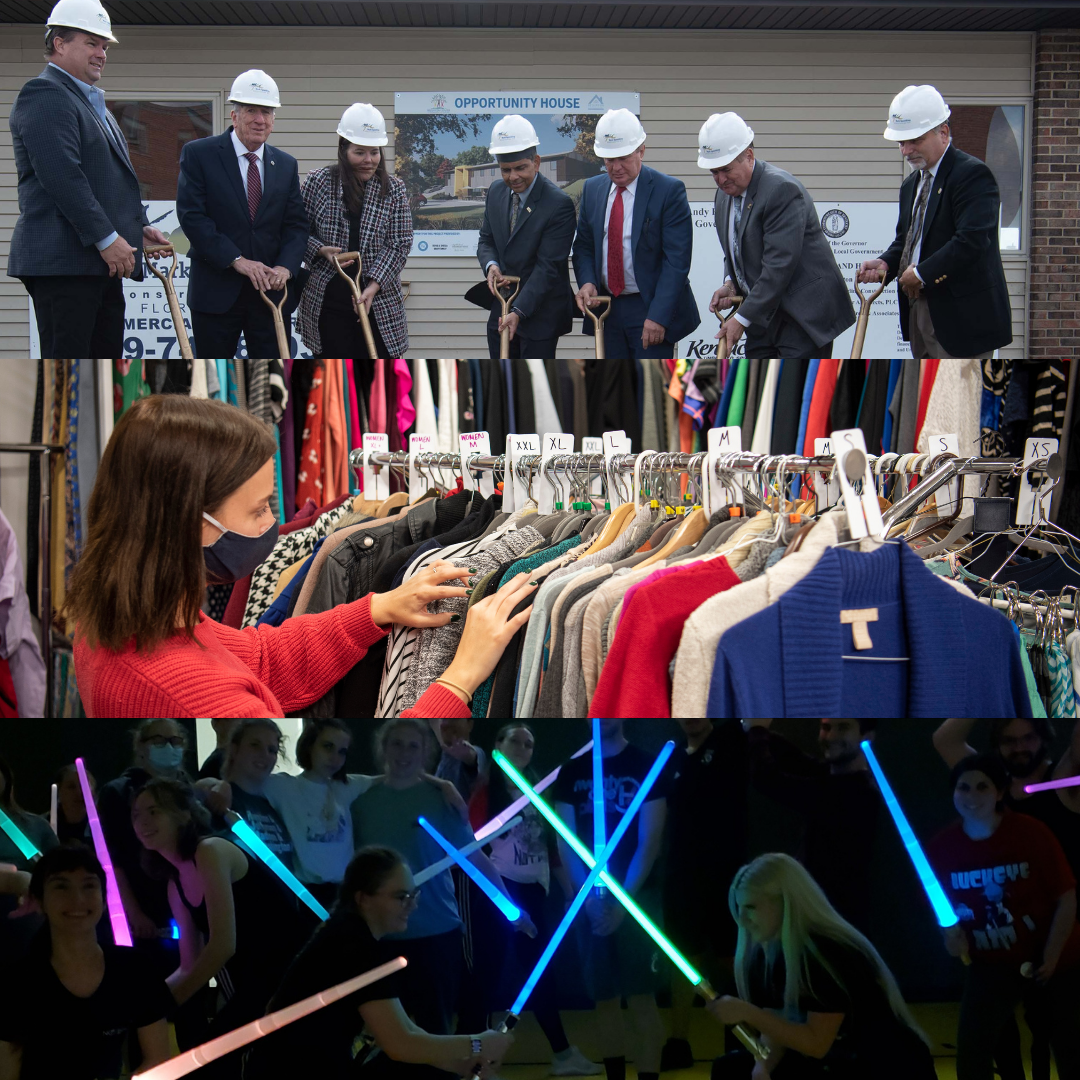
(355, 205)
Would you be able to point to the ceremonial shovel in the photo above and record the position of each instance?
(735, 304)
(170, 295)
(504, 335)
(361, 308)
(279, 321)
(864, 318)
(598, 323)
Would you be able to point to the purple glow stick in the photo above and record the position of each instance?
(121, 933)
(1053, 785)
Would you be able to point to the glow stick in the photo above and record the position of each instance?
(519, 804)
(21, 841)
(255, 844)
(627, 902)
(194, 1059)
(1053, 785)
(593, 877)
(943, 910)
(510, 910)
(52, 808)
(435, 869)
(117, 917)
(599, 814)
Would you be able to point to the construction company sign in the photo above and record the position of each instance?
(855, 231)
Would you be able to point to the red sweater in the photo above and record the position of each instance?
(257, 672)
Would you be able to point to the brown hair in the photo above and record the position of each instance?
(169, 459)
(341, 172)
(61, 33)
(421, 727)
(310, 735)
(175, 798)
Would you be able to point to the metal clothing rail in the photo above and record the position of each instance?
(42, 451)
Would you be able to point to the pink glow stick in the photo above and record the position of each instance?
(515, 808)
(1053, 785)
(121, 933)
(194, 1059)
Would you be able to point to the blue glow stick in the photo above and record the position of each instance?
(594, 875)
(510, 910)
(943, 910)
(18, 837)
(599, 810)
(255, 844)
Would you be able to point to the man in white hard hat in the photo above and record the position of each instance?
(634, 241)
(527, 232)
(796, 302)
(953, 298)
(81, 226)
(238, 200)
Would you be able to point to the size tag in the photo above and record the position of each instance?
(553, 444)
(640, 492)
(593, 445)
(376, 484)
(859, 619)
(943, 444)
(615, 443)
(864, 514)
(722, 441)
(418, 444)
(948, 494)
(827, 490)
(521, 446)
(1033, 503)
(476, 442)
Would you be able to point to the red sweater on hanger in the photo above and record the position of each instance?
(259, 672)
(817, 419)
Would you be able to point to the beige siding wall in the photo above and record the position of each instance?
(816, 102)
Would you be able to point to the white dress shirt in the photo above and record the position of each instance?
(629, 281)
(917, 249)
(241, 150)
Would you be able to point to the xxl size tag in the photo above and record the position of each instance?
(476, 442)
(418, 444)
(376, 484)
(593, 445)
(521, 446)
(553, 444)
(863, 512)
(722, 441)
(1033, 503)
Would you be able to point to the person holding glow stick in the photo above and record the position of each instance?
(68, 1006)
(461, 762)
(72, 821)
(620, 960)
(817, 990)
(1009, 882)
(376, 900)
(237, 923)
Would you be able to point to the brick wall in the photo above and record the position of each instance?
(1055, 208)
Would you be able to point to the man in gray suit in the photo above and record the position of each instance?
(775, 254)
(81, 224)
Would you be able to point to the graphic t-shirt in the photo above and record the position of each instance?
(623, 775)
(76, 1038)
(522, 853)
(1005, 889)
(265, 821)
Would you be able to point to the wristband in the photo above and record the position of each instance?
(454, 686)
(477, 1046)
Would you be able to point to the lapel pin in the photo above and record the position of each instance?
(272, 161)
(939, 190)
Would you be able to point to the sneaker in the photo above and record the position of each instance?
(572, 1062)
(676, 1055)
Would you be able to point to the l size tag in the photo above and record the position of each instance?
(476, 442)
(418, 444)
(519, 446)
(1033, 502)
(615, 443)
(721, 441)
(553, 444)
(863, 511)
(859, 619)
(376, 484)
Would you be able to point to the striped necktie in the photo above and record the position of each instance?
(254, 184)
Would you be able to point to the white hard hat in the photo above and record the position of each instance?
(914, 112)
(254, 87)
(722, 138)
(86, 15)
(618, 133)
(363, 125)
(512, 133)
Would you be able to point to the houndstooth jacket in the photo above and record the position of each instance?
(385, 240)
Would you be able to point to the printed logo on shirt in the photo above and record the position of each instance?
(998, 875)
(619, 792)
(991, 922)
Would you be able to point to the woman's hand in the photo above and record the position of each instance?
(328, 250)
(489, 626)
(525, 925)
(408, 603)
(140, 924)
(494, 1046)
(219, 798)
(368, 294)
(1045, 971)
(729, 1010)
(956, 942)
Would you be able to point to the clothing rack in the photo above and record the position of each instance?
(43, 451)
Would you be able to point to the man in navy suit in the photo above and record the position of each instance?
(527, 232)
(82, 225)
(239, 203)
(646, 268)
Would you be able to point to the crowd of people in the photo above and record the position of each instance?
(787, 942)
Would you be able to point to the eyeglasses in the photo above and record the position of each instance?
(405, 899)
(160, 740)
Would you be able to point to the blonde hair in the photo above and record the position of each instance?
(807, 912)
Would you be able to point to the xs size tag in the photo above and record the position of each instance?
(859, 620)
(376, 484)
(1033, 502)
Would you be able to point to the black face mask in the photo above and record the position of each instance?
(233, 555)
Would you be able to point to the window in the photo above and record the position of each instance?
(996, 134)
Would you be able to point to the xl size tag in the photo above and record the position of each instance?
(376, 484)
(553, 444)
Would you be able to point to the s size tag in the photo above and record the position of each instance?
(553, 444)
(722, 441)
(863, 511)
(521, 446)
(947, 495)
(376, 484)
(476, 442)
(418, 444)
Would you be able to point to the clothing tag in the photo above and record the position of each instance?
(1033, 503)
(947, 495)
(554, 444)
(592, 445)
(641, 491)
(376, 484)
(827, 491)
(418, 444)
(476, 442)
(722, 440)
(521, 446)
(859, 619)
(615, 443)
(860, 496)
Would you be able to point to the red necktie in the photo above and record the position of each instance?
(615, 280)
(254, 185)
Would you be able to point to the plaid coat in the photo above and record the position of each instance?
(385, 240)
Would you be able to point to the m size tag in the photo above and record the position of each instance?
(476, 442)
(722, 441)
(859, 619)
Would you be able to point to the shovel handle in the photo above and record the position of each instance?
(598, 324)
(170, 294)
(863, 297)
(863, 320)
(508, 300)
(361, 310)
(733, 306)
(279, 321)
(406, 289)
